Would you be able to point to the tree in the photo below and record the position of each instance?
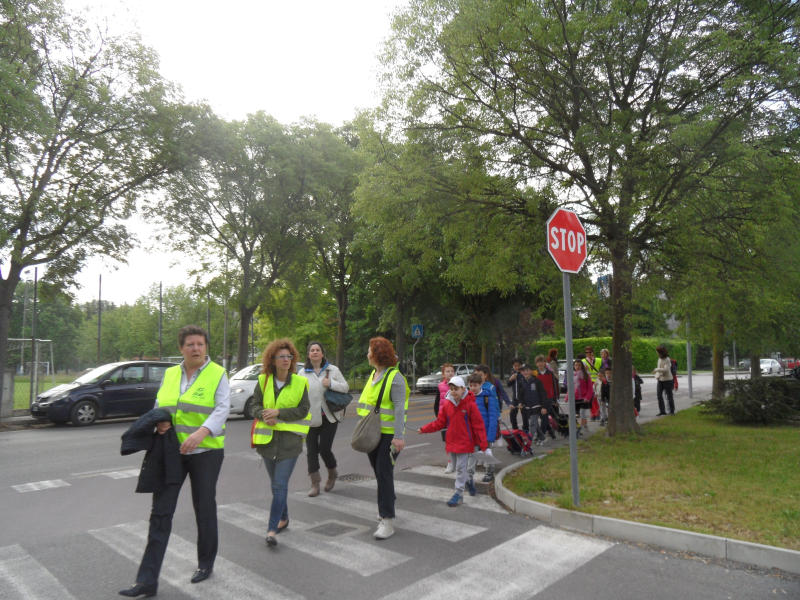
(86, 126)
(328, 222)
(239, 209)
(620, 108)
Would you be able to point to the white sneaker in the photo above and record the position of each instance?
(449, 467)
(385, 529)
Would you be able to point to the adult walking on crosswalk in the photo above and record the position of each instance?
(321, 376)
(393, 404)
(197, 395)
(282, 425)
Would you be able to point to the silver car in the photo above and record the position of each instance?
(770, 366)
(429, 384)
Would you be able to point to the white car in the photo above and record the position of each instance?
(770, 366)
(243, 383)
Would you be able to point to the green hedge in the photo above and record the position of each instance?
(643, 349)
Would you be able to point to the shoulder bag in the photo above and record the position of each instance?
(367, 433)
(337, 401)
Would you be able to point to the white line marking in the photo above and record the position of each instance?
(97, 472)
(346, 552)
(416, 445)
(35, 486)
(22, 577)
(228, 581)
(434, 492)
(126, 474)
(445, 529)
(516, 568)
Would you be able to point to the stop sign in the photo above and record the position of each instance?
(566, 240)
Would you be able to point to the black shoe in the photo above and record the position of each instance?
(271, 541)
(140, 589)
(201, 575)
(282, 527)
(662, 414)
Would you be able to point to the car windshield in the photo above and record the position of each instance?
(97, 374)
(766, 362)
(248, 373)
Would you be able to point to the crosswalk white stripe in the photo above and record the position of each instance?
(23, 577)
(433, 492)
(432, 471)
(228, 581)
(126, 474)
(445, 529)
(512, 571)
(35, 486)
(347, 552)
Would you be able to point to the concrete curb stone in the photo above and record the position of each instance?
(769, 557)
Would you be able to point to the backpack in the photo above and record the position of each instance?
(673, 368)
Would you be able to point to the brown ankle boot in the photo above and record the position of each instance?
(332, 475)
(315, 479)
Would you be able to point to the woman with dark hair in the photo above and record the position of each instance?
(393, 404)
(552, 361)
(321, 375)
(283, 423)
(663, 372)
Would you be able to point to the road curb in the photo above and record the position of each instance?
(769, 557)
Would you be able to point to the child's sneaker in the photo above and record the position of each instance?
(471, 486)
(455, 500)
(449, 467)
(488, 477)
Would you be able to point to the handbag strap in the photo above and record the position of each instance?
(383, 388)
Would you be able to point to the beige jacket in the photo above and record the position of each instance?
(663, 370)
(316, 391)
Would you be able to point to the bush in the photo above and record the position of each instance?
(760, 401)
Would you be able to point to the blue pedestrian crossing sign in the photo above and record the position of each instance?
(416, 331)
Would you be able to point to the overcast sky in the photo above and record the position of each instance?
(289, 58)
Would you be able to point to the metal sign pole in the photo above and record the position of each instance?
(573, 437)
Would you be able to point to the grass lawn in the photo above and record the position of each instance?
(691, 471)
(22, 387)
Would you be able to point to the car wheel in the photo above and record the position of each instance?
(249, 407)
(84, 413)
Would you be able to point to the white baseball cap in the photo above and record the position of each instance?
(457, 381)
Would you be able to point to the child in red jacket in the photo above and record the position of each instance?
(465, 430)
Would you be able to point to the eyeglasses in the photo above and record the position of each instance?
(285, 356)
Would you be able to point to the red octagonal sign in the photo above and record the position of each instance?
(566, 240)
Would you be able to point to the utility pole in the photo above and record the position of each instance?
(160, 320)
(99, 314)
(34, 353)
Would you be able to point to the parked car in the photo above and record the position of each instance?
(770, 366)
(243, 384)
(429, 384)
(112, 390)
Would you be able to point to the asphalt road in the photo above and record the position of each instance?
(72, 527)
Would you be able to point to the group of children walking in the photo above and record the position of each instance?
(470, 410)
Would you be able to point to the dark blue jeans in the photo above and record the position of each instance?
(279, 473)
(381, 462)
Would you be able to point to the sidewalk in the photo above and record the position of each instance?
(768, 557)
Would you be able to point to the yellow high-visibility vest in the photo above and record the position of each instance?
(191, 409)
(369, 398)
(290, 396)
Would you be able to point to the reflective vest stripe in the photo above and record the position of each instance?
(190, 409)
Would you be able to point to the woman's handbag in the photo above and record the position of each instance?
(337, 401)
(367, 433)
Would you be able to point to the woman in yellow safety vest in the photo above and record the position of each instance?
(393, 405)
(282, 425)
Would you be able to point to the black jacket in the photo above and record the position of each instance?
(162, 462)
(533, 393)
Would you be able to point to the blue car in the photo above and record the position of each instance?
(112, 390)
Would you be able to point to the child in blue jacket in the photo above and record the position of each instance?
(488, 407)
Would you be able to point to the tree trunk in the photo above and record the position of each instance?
(245, 314)
(755, 366)
(341, 326)
(717, 368)
(400, 327)
(7, 288)
(621, 418)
